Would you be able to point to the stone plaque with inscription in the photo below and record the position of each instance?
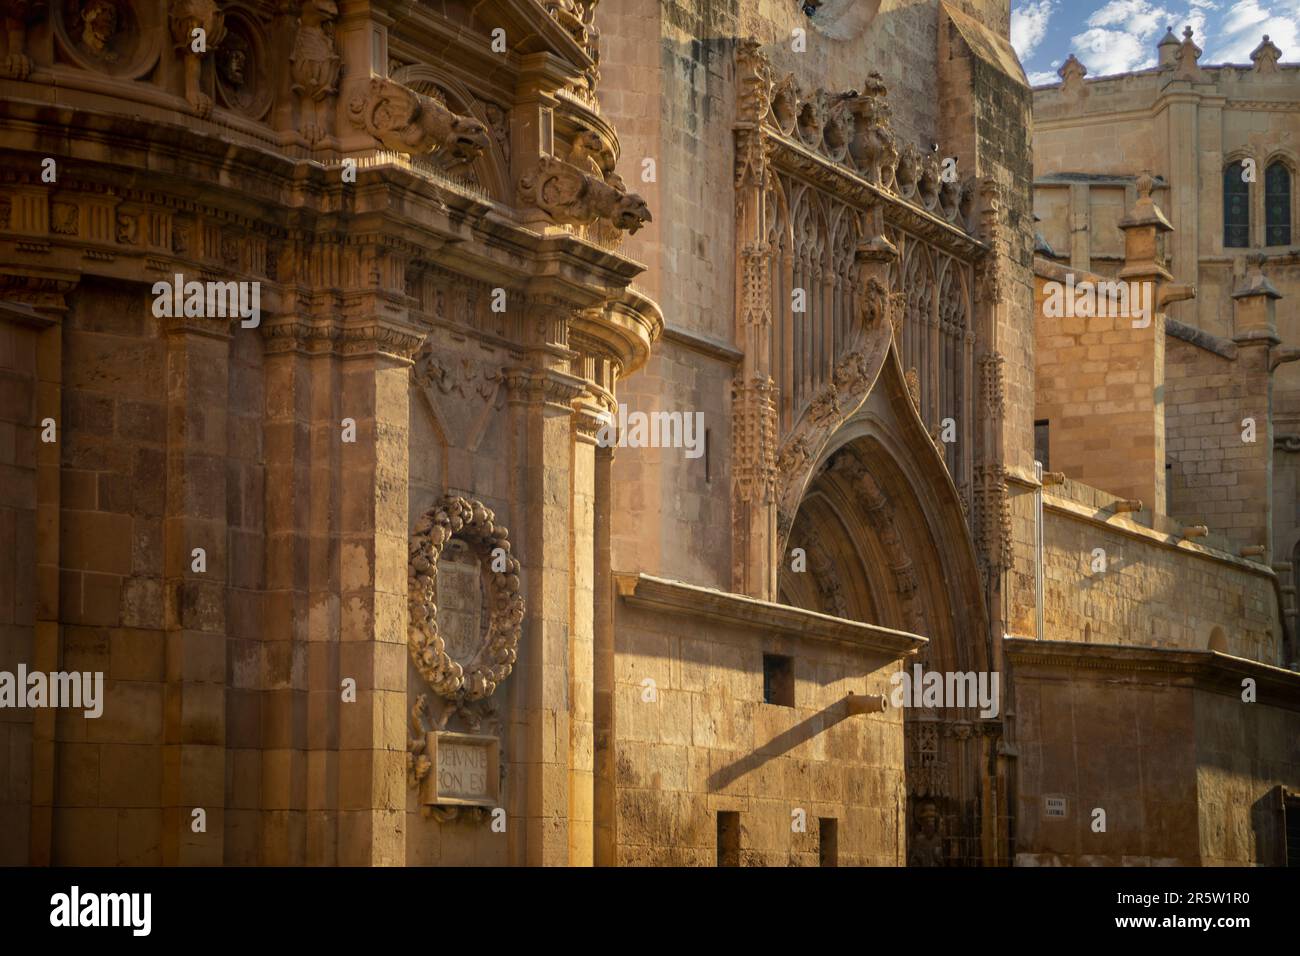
(460, 605)
(466, 770)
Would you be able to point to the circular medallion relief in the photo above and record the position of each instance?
(465, 607)
(241, 68)
(108, 36)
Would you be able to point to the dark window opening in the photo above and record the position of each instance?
(728, 838)
(778, 680)
(1236, 207)
(1277, 205)
(1041, 444)
(828, 841)
(1291, 827)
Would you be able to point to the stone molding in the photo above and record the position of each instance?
(655, 593)
(1206, 670)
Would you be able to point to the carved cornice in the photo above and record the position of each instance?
(659, 594)
(1202, 669)
(44, 292)
(549, 387)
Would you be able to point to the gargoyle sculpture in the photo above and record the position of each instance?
(569, 195)
(409, 122)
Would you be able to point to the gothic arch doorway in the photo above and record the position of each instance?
(888, 543)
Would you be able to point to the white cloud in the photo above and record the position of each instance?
(1029, 26)
(1243, 28)
(1112, 51)
(1135, 17)
(1041, 78)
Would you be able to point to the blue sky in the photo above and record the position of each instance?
(1116, 36)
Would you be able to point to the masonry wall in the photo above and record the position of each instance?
(1243, 750)
(18, 482)
(1097, 386)
(1217, 478)
(1157, 590)
(1105, 740)
(708, 743)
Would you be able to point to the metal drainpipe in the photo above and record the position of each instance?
(1038, 548)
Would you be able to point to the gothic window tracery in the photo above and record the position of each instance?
(1236, 206)
(1277, 204)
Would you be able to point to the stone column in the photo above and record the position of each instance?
(194, 717)
(39, 317)
(582, 729)
(273, 796)
(546, 656)
(373, 523)
(606, 835)
(1143, 451)
(1254, 311)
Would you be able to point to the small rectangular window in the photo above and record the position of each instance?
(728, 838)
(778, 680)
(828, 841)
(1041, 444)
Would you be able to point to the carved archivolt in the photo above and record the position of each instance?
(838, 399)
(470, 521)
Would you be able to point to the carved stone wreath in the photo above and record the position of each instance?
(471, 522)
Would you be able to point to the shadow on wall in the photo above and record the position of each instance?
(782, 743)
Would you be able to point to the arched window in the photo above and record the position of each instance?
(1277, 205)
(1236, 207)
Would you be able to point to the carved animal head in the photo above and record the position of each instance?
(467, 140)
(949, 197)
(909, 168)
(587, 141)
(785, 103)
(967, 201)
(631, 212)
(928, 184)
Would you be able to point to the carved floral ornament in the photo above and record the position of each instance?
(851, 129)
(491, 660)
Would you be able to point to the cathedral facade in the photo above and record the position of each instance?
(550, 432)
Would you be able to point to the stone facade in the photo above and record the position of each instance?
(1187, 123)
(381, 566)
